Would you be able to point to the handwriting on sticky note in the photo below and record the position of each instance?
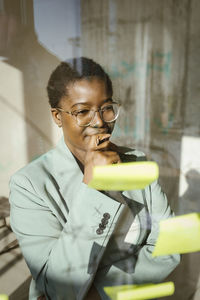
(124, 176)
(140, 292)
(178, 235)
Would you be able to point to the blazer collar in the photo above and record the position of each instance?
(65, 167)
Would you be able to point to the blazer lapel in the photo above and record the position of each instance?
(68, 176)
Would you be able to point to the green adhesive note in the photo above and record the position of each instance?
(140, 292)
(178, 235)
(124, 176)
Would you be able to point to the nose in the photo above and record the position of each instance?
(97, 120)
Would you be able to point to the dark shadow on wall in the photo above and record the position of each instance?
(189, 202)
(20, 48)
(185, 278)
(21, 293)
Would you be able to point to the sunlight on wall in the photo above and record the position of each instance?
(13, 126)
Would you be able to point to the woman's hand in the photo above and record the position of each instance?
(100, 152)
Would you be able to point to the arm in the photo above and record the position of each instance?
(148, 268)
(58, 257)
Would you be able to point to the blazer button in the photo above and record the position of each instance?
(102, 226)
(104, 221)
(99, 231)
(106, 216)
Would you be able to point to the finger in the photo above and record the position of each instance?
(98, 141)
(103, 146)
(115, 159)
(109, 153)
(103, 138)
(106, 157)
(113, 147)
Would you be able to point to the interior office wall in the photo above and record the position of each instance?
(150, 48)
(34, 37)
(25, 66)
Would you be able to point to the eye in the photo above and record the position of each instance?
(107, 107)
(81, 112)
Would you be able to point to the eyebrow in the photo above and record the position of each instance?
(85, 103)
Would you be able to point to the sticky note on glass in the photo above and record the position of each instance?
(3, 297)
(178, 235)
(124, 176)
(140, 292)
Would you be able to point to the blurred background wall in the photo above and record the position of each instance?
(151, 50)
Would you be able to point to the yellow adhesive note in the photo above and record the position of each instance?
(3, 297)
(140, 292)
(124, 176)
(180, 234)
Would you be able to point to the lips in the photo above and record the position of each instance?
(95, 132)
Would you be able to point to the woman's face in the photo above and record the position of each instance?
(82, 94)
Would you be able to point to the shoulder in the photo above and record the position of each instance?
(36, 169)
(47, 170)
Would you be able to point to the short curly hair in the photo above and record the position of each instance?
(71, 71)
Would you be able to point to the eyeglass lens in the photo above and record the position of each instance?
(108, 113)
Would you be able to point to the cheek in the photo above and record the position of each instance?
(111, 127)
(73, 131)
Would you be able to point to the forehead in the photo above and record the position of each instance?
(90, 91)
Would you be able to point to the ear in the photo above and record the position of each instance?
(56, 117)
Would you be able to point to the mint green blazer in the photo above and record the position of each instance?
(55, 217)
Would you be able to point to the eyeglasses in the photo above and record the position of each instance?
(84, 117)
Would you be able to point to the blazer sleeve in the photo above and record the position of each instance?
(62, 259)
(148, 268)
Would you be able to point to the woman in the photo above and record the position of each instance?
(77, 240)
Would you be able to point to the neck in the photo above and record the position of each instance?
(79, 155)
